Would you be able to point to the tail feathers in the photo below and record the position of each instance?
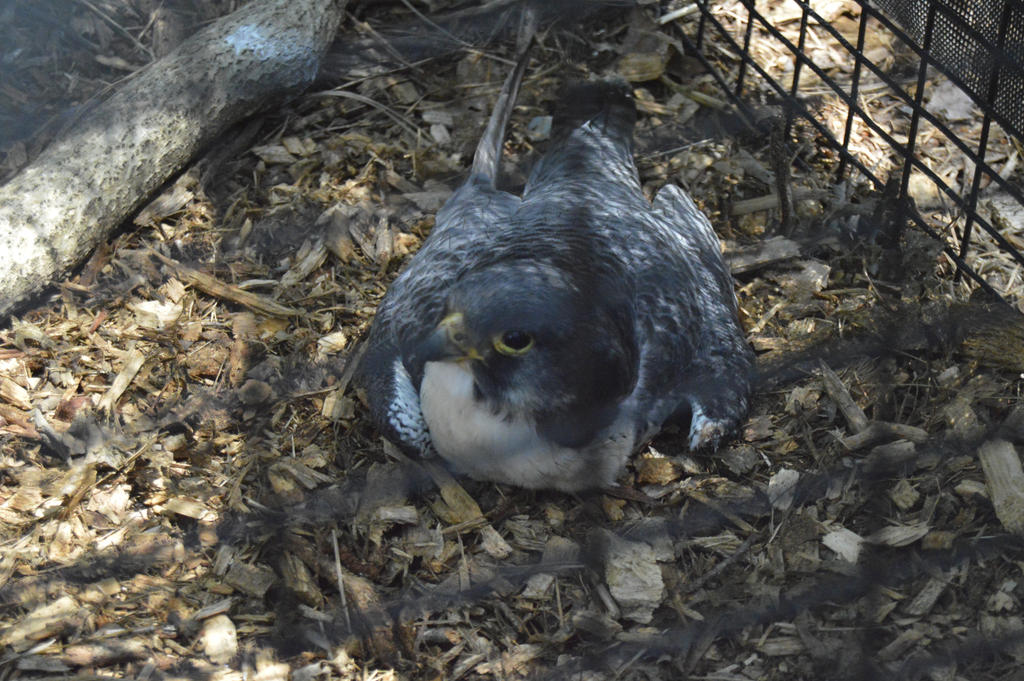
(487, 158)
(607, 104)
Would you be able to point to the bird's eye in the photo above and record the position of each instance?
(513, 343)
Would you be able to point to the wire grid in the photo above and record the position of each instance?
(976, 50)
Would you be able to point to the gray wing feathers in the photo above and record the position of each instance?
(701, 314)
(679, 210)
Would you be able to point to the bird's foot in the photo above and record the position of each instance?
(706, 433)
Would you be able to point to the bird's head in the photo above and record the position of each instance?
(539, 344)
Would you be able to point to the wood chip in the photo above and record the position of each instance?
(735, 519)
(639, 67)
(156, 314)
(596, 623)
(297, 578)
(275, 153)
(782, 487)
(132, 363)
(969, 488)
(14, 394)
(362, 596)
(771, 251)
(771, 201)
(892, 455)
(220, 639)
(311, 256)
(190, 508)
(337, 238)
(493, 544)
(332, 343)
(925, 599)
(879, 431)
(1005, 479)
(898, 648)
(782, 646)
(512, 662)
(106, 653)
(44, 621)
(166, 204)
(659, 470)
(633, 577)
(214, 287)
(252, 579)
(463, 508)
(854, 415)
(898, 535)
(254, 392)
(538, 586)
(904, 495)
(845, 543)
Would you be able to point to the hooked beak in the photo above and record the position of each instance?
(449, 342)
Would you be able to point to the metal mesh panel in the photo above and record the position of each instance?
(977, 45)
(978, 42)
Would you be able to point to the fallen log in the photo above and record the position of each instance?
(87, 182)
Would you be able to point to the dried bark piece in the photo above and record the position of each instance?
(362, 597)
(245, 333)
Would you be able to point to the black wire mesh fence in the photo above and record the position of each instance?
(898, 61)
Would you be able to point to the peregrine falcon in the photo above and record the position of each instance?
(539, 340)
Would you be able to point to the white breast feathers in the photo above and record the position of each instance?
(507, 448)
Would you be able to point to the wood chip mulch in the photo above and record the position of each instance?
(190, 487)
